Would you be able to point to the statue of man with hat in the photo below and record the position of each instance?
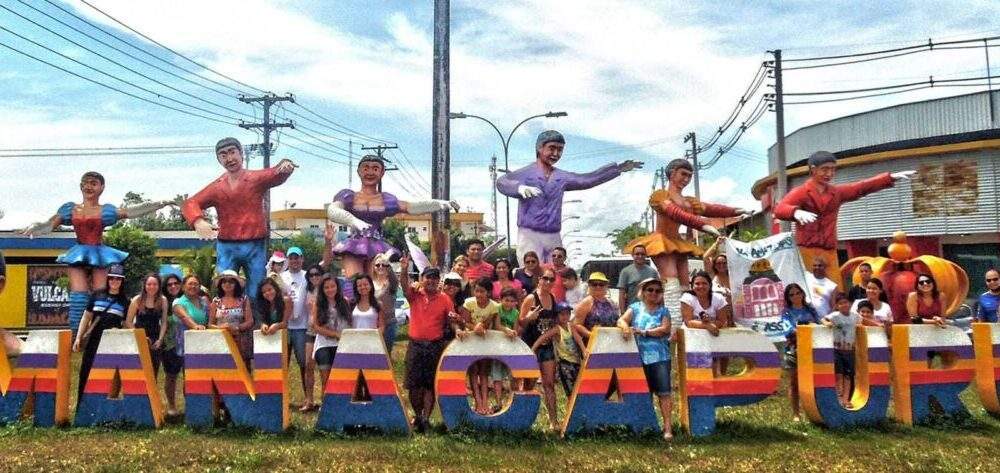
(238, 198)
(540, 186)
(814, 205)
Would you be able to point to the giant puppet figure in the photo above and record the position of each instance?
(668, 249)
(238, 198)
(363, 212)
(540, 186)
(816, 203)
(89, 258)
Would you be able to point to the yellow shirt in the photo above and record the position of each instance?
(481, 314)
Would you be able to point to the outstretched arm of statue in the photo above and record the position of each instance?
(676, 213)
(336, 214)
(42, 228)
(576, 182)
(144, 208)
(428, 206)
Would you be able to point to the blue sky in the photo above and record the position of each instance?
(626, 72)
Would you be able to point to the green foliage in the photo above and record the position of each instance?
(200, 262)
(621, 236)
(744, 234)
(312, 247)
(394, 232)
(141, 249)
(166, 219)
(502, 253)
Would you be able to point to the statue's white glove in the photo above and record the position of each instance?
(429, 206)
(710, 230)
(336, 214)
(528, 192)
(804, 217)
(902, 175)
(205, 230)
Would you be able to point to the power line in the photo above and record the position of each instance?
(151, 40)
(755, 83)
(123, 52)
(929, 82)
(81, 154)
(188, 112)
(117, 38)
(881, 94)
(928, 46)
(310, 153)
(289, 135)
(346, 130)
(420, 179)
(115, 63)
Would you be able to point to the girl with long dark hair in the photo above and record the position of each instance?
(272, 309)
(330, 316)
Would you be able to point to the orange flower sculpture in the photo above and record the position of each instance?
(899, 273)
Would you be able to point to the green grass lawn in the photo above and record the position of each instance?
(754, 438)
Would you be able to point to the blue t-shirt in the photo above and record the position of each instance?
(988, 304)
(792, 317)
(651, 349)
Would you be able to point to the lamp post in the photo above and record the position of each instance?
(505, 141)
(571, 217)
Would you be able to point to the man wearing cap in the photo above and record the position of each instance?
(238, 198)
(814, 206)
(294, 280)
(429, 312)
(540, 187)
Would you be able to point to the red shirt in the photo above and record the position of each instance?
(558, 291)
(477, 271)
(826, 205)
(240, 207)
(428, 314)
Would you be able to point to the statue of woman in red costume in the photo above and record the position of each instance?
(668, 249)
(89, 259)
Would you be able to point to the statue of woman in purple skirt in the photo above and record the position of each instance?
(363, 212)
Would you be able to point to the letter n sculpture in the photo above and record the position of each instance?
(362, 390)
(42, 373)
(611, 389)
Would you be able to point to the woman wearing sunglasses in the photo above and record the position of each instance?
(797, 312)
(538, 316)
(595, 310)
(924, 304)
(649, 321)
(386, 286)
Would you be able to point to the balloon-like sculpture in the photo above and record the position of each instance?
(899, 273)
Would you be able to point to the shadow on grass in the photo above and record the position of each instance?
(736, 431)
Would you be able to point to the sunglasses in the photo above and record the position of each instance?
(597, 283)
(548, 278)
(381, 265)
(171, 284)
(638, 254)
(992, 279)
(795, 293)
(653, 290)
(530, 261)
(314, 275)
(925, 281)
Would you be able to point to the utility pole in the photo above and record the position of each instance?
(379, 150)
(493, 177)
(440, 133)
(779, 108)
(267, 100)
(350, 163)
(694, 162)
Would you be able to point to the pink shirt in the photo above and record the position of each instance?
(477, 271)
(240, 206)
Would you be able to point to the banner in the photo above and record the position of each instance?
(758, 273)
(48, 304)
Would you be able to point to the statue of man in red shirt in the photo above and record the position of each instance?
(238, 198)
(815, 204)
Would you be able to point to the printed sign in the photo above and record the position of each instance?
(48, 304)
(758, 272)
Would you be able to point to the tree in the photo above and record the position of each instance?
(395, 232)
(170, 219)
(199, 262)
(621, 236)
(141, 249)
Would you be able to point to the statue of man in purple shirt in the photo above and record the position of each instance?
(540, 186)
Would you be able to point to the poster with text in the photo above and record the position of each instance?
(48, 303)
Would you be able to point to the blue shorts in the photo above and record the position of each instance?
(324, 357)
(658, 377)
(389, 337)
(546, 353)
(297, 342)
(249, 255)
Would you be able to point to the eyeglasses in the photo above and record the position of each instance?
(653, 290)
(530, 261)
(548, 278)
(925, 282)
(171, 284)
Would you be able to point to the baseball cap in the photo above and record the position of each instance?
(294, 251)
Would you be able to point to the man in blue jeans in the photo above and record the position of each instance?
(238, 198)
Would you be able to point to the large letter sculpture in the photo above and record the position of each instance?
(986, 338)
(43, 372)
(214, 369)
(362, 361)
(451, 382)
(702, 392)
(916, 381)
(610, 357)
(817, 384)
(122, 362)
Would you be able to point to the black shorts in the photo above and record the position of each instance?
(546, 353)
(324, 357)
(843, 362)
(422, 363)
(172, 362)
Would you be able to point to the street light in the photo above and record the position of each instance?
(571, 217)
(575, 230)
(573, 201)
(506, 145)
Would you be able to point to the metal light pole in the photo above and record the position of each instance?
(505, 141)
(571, 217)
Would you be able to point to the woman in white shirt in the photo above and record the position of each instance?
(875, 293)
(330, 316)
(366, 311)
(703, 309)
